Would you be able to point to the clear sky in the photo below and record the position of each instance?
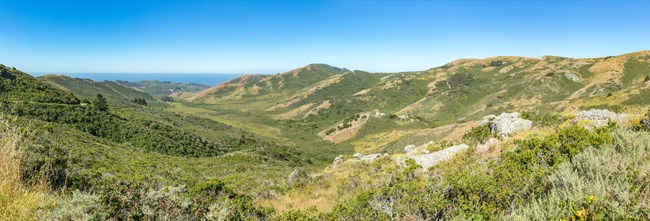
(196, 36)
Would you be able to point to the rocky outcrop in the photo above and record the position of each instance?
(506, 123)
(573, 77)
(409, 149)
(338, 160)
(426, 161)
(599, 118)
(484, 147)
(369, 157)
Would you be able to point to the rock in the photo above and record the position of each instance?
(431, 159)
(599, 118)
(484, 147)
(409, 148)
(370, 157)
(573, 77)
(425, 151)
(293, 178)
(487, 119)
(338, 160)
(506, 123)
(367, 158)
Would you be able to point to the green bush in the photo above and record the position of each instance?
(543, 119)
(479, 134)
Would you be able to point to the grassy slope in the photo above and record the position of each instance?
(96, 147)
(454, 94)
(88, 89)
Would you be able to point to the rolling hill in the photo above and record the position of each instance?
(88, 89)
(327, 143)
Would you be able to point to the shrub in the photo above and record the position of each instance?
(605, 183)
(543, 119)
(479, 134)
(167, 99)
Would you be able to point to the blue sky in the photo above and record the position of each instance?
(273, 36)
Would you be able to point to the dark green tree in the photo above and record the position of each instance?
(167, 99)
(100, 103)
(140, 101)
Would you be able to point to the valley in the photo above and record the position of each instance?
(327, 143)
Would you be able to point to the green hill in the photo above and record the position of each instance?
(88, 89)
(18, 86)
(68, 145)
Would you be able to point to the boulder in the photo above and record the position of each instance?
(484, 147)
(487, 119)
(573, 77)
(599, 118)
(338, 160)
(367, 158)
(294, 177)
(506, 123)
(409, 148)
(431, 159)
(370, 157)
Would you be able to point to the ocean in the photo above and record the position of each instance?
(209, 79)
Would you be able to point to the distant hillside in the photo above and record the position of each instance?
(460, 90)
(269, 85)
(164, 88)
(88, 89)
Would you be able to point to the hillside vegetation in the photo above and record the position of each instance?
(501, 138)
(164, 88)
(87, 89)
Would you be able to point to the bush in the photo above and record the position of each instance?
(543, 119)
(167, 99)
(479, 134)
(603, 183)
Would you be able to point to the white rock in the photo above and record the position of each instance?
(573, 77)
(358, 155)
(431, 159)
(484, 147)
(338, 160)
(409, 148)
(599, 118)
(370, 157)
(487, 119)
(507, 123)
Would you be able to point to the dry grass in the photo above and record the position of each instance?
(17, 201)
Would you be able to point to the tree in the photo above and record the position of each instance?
(100, 103)
(140, 101)
(167, 99)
